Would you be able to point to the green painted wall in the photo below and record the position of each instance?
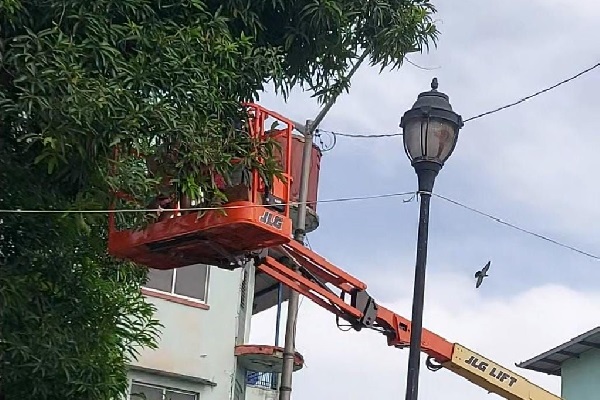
(580, 378)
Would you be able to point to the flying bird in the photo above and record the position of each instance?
(482, 274)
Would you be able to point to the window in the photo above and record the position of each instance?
(144, 391)
(190, 282)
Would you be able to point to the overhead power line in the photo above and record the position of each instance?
(335, 200)
(358, 135)
(518, 228)
(484, 114)
(585, 71)
(150, 210)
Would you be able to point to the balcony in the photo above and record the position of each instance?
(265, 292)
(261, 386)
(263, 364)
(266, 289)
(264, 358)
(262, 380)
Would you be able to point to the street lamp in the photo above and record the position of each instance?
(430, 131)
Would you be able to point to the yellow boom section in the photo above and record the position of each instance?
(493, 377)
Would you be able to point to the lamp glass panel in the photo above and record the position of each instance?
(441, 137)
(430, 139)
(412, 139)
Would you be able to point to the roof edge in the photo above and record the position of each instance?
(530, 364)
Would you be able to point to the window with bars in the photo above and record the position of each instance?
(145, 391)
(189, 282)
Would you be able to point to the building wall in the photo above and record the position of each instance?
(153, 380)
(580, 378)
(196, 348)
(259, 393)
(245, 319)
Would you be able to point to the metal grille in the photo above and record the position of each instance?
(265, 380)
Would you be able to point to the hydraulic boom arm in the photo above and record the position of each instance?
(314, 279)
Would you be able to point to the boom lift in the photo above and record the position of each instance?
(256, 225)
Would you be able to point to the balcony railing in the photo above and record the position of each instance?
(265, 380)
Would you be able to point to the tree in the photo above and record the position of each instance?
(72, 318)
(162, 78)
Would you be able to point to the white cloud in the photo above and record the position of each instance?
(538, 156)
(359, 365)
(586, 9)
(536, 160)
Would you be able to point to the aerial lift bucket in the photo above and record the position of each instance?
(256, 218)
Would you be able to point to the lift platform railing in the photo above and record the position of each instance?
(257, 215)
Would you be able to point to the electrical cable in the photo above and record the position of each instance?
(513, 226)
(505, 223)
(337, 317)
(150, 210)
(484, 114)
(432, 365)
(324, 148)
(585, 71)
(307, 242)
(303, 297)
(359, 135)
(342, 296)
(334, 200)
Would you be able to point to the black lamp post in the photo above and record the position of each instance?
(430, 131)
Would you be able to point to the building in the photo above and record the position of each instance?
(203, 352)
(577, 362)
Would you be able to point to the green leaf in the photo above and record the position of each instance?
(162, 83)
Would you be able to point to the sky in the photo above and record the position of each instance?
(531, 165)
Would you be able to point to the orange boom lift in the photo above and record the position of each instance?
(256, 225)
